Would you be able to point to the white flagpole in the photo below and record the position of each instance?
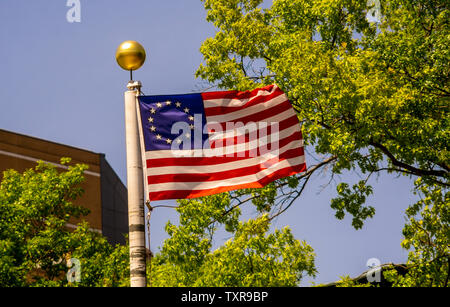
(135, 185)
(131, 56)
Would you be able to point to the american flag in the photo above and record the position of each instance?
(213, 142)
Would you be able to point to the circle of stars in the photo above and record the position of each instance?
(153, 113)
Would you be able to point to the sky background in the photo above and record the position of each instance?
(59, 81)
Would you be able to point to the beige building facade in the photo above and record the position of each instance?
(104, 193)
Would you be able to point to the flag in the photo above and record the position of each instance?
(207, 143)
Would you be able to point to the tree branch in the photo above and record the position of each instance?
(414, 170)
(399, 170)
(306, 175)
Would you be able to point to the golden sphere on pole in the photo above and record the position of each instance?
(130, 55)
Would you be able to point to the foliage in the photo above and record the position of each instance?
(346, 282)
(35, 243)
(253, 257)
(374, 96)
(428, 238)
(102, 265)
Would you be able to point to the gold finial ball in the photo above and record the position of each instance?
(130, 55)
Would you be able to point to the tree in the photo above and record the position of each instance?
(251, 258)
(35, 243)
(428, 238)
(372, 97)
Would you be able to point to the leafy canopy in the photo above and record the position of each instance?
(427, 236)
(372, 97)
(35, 242)
(252, 257)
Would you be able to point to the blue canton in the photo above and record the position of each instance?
(160, 113)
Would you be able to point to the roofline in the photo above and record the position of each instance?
(52, 142)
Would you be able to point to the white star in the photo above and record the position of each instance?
(179, 141)
(178, 104)
(150, 119)
(152, 111)
(158, 136)
(186, 110)
(188, 135)
(168, 141)
(168, 102)
(192, 126)
(191, 117)
(159, 105)
(153, 128)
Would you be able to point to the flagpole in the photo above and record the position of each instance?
(136, 218)
(130, 56)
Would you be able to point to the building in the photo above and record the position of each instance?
(104, 193)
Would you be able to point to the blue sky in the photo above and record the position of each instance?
(59, 81)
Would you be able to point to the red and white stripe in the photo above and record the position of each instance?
(231, 163)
